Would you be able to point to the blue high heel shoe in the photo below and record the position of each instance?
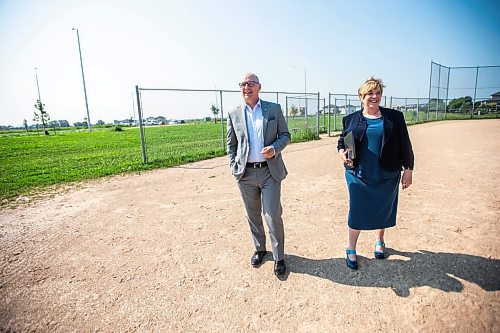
(352, 264)
(379, 254)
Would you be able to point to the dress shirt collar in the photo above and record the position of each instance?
(248, 108)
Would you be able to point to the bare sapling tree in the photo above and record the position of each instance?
(215, 110)
(41, 116)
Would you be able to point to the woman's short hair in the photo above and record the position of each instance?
(370, 84)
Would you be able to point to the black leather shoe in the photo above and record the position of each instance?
(257, 258)
(279, 267)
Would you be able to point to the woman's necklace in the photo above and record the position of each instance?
(377, 115)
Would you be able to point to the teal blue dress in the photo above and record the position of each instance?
(373, 191)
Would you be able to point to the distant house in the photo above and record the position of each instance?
(333, 109)
(58, 123)
(347, 109)
(124, 122)
(495, 97)
(150, 121)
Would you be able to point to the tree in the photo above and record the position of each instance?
(462, 104)
(434, 104)
(215, 110)
(25, 124)
(294, 111)
(41, 116)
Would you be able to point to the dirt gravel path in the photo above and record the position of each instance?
(169, 250)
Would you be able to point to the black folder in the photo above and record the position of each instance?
(350, 146)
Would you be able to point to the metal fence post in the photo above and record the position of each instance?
(406, 108)
(141, 128)
(329, 113)
(286, 109)
(447, 91)
(222, 123)
(418, 108)
(430, 88)
(335, 115)
(438, 89)
(317, 117)
(475, 89)
(306, 106)
(345, 106)
(324, 114)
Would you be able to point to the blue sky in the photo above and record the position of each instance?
(209, 44)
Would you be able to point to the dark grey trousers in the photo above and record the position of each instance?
(262, 196)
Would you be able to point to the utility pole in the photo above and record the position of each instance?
(37, 86)
(83, 78)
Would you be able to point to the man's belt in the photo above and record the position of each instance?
(256, 164)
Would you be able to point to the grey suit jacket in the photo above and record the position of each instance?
(276, 134)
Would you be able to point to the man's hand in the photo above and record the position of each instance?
(268, 152)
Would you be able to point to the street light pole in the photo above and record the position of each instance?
(83, 78)
(37, 86)
(305, 95)
(305, 81)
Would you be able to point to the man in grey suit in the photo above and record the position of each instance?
(256, 135)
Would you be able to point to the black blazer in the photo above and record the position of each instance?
(397, 152)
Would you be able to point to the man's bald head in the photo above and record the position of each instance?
(249, 77)
(250, 87)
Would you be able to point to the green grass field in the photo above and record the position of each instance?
(31, 162)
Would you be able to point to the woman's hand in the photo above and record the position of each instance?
(343, 157)
(406, 180)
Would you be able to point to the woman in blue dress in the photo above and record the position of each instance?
(382, 150)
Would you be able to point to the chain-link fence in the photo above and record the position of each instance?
(414, 110)
(184, 125)
(340, 105)
(474, 91)
(303, 114)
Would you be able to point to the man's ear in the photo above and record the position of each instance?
(260, 86)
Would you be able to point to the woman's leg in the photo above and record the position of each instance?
(380, 238)
(353, 240)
